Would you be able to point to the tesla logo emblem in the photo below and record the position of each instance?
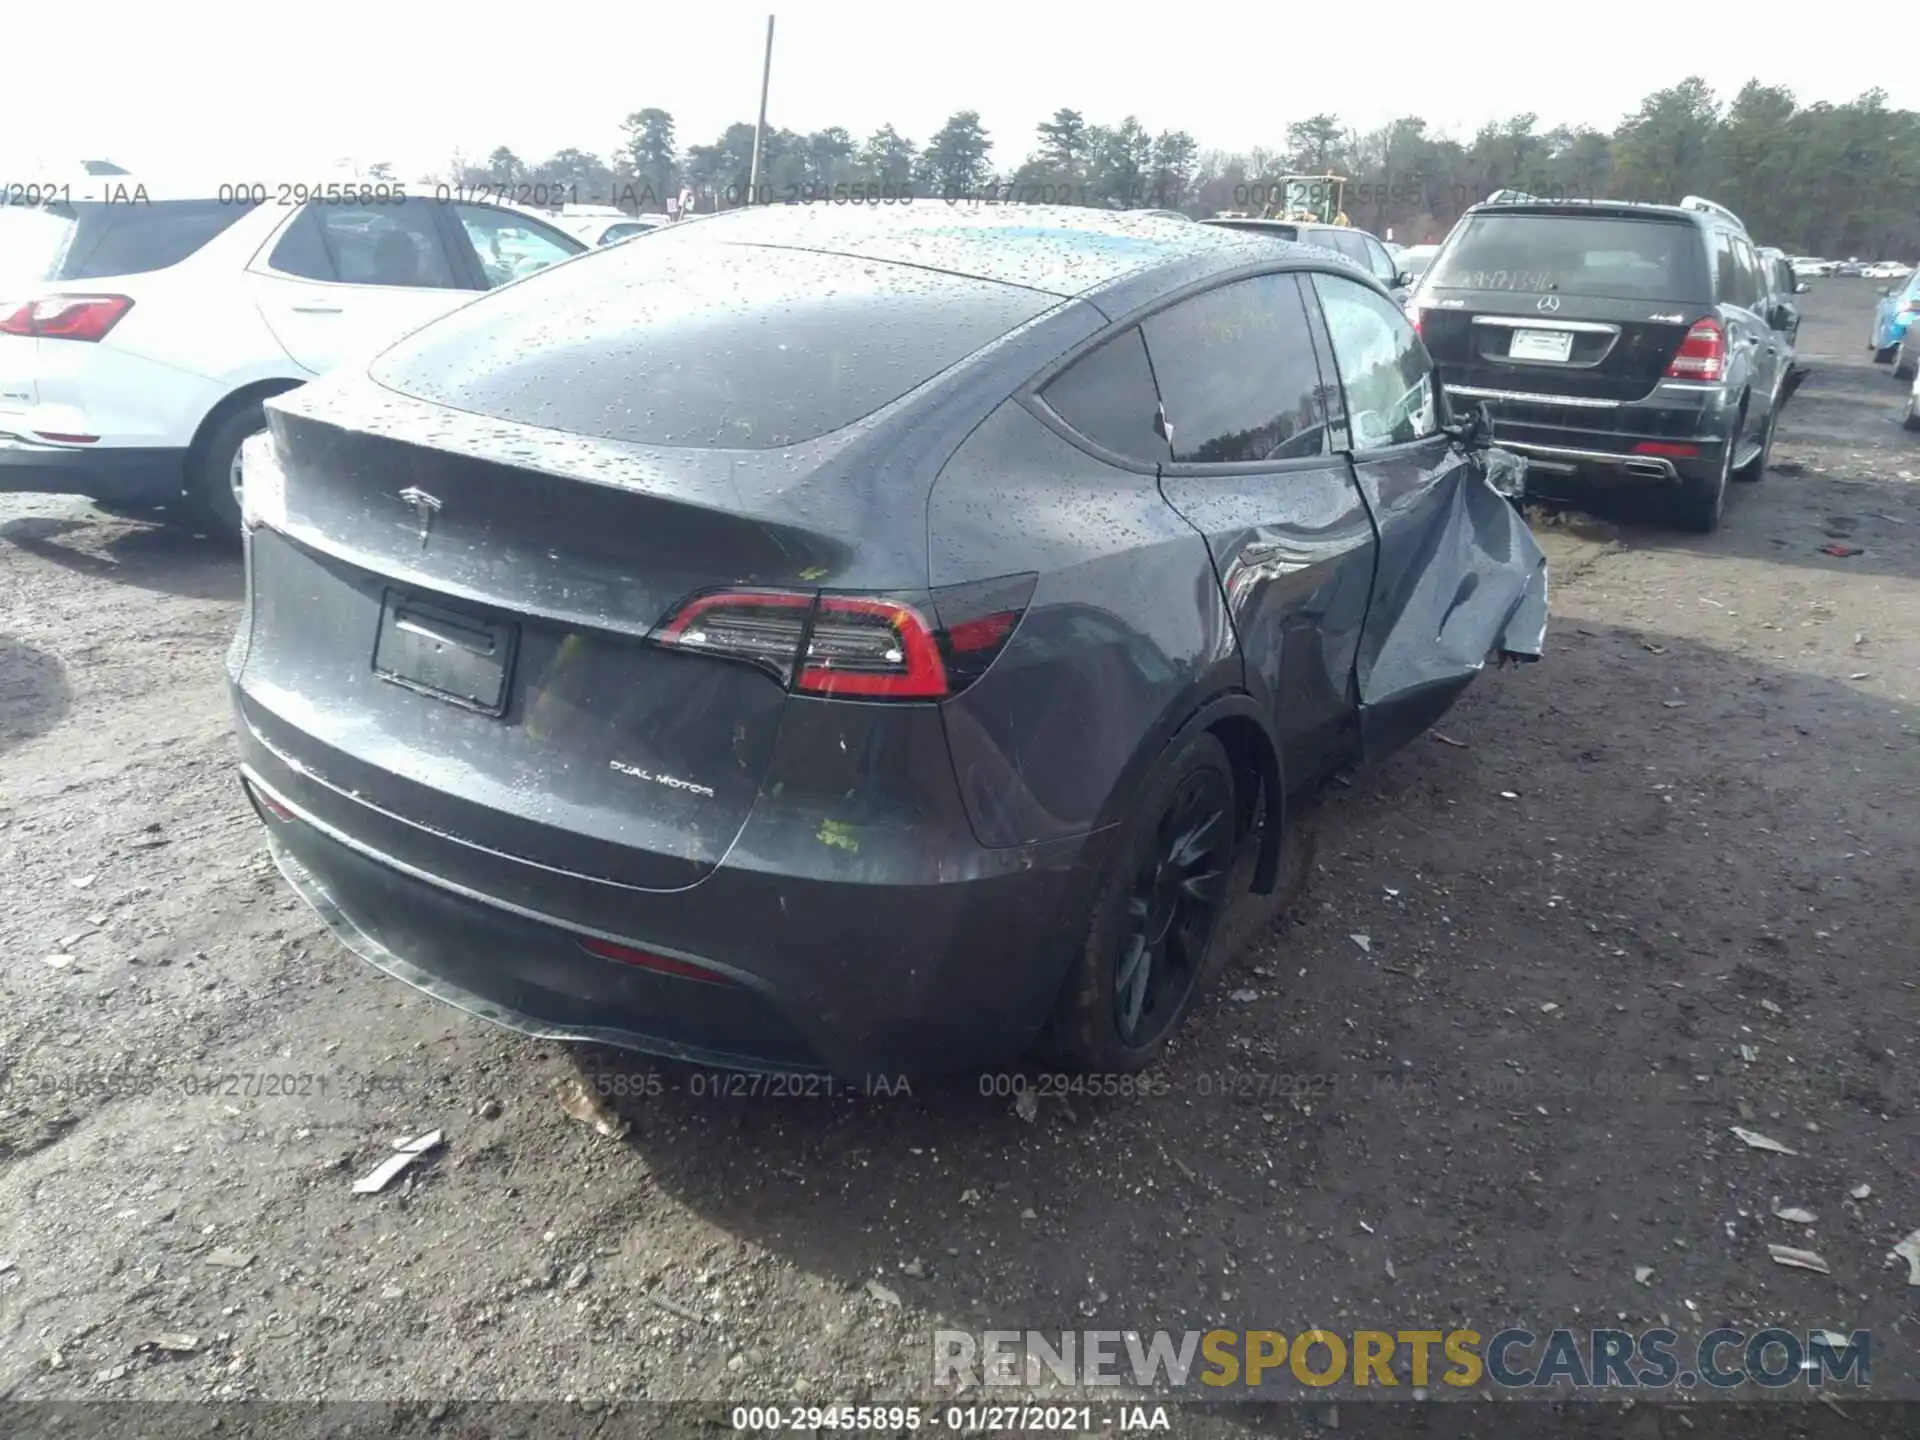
(425, 507)
(1548, 302)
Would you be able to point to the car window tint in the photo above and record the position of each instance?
(1620, 257)
(1746, 274)
(300, 251)
(510, 245)
(137, 238)
(1385, 370)
(1726, 269)
(386, 245)
(1385, 268)
(1108, 396)
(1237, 374)
(705, 345)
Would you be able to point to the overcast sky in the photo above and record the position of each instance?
(268, 89)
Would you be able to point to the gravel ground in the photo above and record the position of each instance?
(1481, 1072)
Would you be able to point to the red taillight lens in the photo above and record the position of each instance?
(878, 648)
(1702, 355)
(866, 647)
(659, 964)
(1413, 318)
(1672, 452)
(66, 317)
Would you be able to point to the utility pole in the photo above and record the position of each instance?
(760, 130)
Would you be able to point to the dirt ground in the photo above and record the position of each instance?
(1663, 883)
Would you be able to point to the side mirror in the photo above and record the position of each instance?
(1801, 287)
(1403, 280)
(1474, 431)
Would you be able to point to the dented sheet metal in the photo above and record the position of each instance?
(1462, 582)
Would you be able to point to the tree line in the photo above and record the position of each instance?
(1824, 179)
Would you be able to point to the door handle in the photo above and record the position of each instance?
(316, 309)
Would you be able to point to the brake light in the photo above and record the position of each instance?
(1702, 355)
(66, 317)
(867, 647)
(1413, 316)
(659, 964)
(1672, 452)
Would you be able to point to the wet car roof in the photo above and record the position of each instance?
(1062, 250)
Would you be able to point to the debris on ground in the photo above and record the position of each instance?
(1642, 1274)
(403, 1156)
(1841, 552)
(1909, 1251)
(1861, 1192)
(1244, 997)
(914, 1270)
(59, 960)
(1792, 1214)
(173, 1342)
(577, 1276)
(578, 1099)
(883, 1294)
(1798, 1259)
(674, 1307)
(1449, 740)
(1365, 942)
(229, 1259)
(1027, 1106)
(1754, 1140)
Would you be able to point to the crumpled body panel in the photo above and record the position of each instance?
(1463, 581)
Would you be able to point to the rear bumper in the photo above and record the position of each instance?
(118, 473)
(859, 975)
(1677, 434)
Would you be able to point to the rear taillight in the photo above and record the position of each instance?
(1670, 451)
(1413, 318)
(65, 317)
(1702, 355)
(862, 647)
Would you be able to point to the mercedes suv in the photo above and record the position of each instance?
(1612, 341)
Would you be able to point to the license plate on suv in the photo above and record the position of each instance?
(450, 654)
(1540, 345)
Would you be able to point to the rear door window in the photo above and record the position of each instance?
(371, 245)
(1384, 369)
(1108, 396)
(509, 245)
(94, 240)
(1237, 374)
(1605, 256)
(705, 345)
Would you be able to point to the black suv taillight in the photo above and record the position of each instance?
(856, 646)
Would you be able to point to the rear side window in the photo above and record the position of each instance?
(1607, 256)
(1108, 396)
(131, 238)
(378, 245)
(1237, 374)
(1384, 368)
(705, 345)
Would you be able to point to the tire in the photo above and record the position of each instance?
(1158, 910)
(1699, 505)
(1902, 365)
(1911, 419)
(213, 478)
(1755, 469)
(1885, 356)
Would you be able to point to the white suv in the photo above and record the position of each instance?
(140, 329)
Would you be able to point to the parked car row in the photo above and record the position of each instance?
(1618, 342)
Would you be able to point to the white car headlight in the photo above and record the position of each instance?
(263, 484)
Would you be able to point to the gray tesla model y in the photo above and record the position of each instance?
(856, 640)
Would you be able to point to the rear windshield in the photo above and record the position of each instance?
(91, 240)
(1605, 256)
(688, 344)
